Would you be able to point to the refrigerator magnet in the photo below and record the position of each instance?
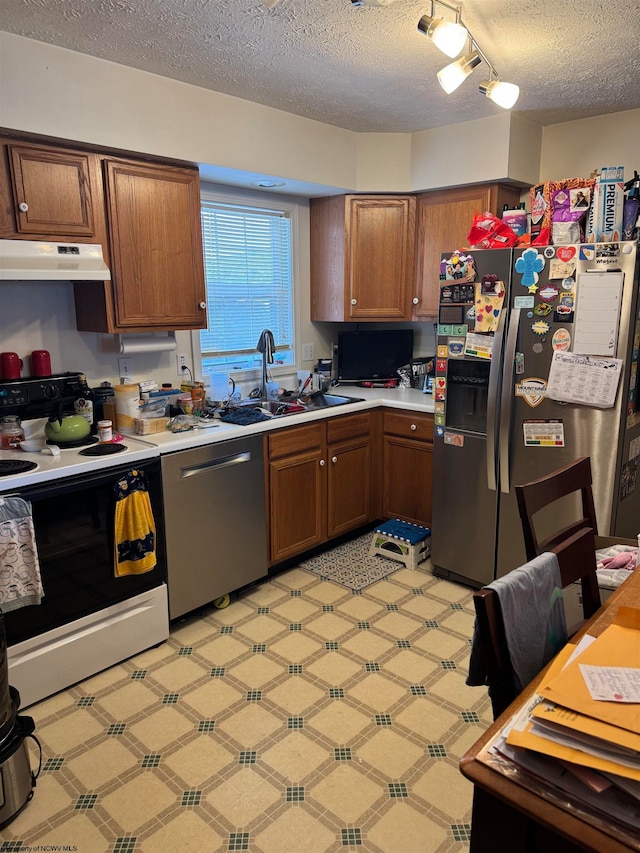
(459, 331)
(438, 408)
(561, 269)
(444, 330)
(459, 267)
(587, 253)
(561, 340)
(566, 253)
(549, 293)
(438, 419)
(454, 438)
(441, 365)
(456, 347)
(519, 363)
(542, 309)
(529, 264)
(540, 328)
(523, 302)
(442, 351)
(532, 390)
(563, 314)
(549, 251)
(439, 431)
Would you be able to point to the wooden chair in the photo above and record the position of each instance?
(576, 552)
(534, 496)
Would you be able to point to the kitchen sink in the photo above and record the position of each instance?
(283, 408)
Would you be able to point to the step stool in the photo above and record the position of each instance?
(403, 541)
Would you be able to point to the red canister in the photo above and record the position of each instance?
(10, 365)
(40, 363)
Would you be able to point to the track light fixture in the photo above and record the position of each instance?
(450, 37)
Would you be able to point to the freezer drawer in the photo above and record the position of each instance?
(215, 521)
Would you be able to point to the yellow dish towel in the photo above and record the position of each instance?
(135, 529)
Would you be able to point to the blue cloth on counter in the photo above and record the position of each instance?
(244, 416)
(20, 581)
(534, 620)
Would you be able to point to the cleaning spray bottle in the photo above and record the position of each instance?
(631, 207)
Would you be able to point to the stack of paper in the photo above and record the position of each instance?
(581, 731)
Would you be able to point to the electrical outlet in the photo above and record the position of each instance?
(181, 361)
(307, 352)
(124, 369)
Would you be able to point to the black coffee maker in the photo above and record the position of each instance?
(16, 779)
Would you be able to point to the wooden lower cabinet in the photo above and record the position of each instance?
(407, 450)
(319, 482)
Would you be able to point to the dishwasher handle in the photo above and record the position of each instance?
(215, 464)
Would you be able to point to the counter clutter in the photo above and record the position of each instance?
(138, 448)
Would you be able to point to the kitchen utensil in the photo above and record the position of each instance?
(40, 362)
(66, 427)
(10, 365)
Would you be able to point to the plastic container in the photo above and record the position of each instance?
(127, 407)
(105, 432)
(515, 218)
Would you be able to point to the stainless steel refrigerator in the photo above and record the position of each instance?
(496, 425)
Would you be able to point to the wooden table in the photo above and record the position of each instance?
(508, 813)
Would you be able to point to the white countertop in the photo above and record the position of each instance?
(70, 463)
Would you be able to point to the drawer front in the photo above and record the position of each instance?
(288, 442)
(416, 425)
(349, 426)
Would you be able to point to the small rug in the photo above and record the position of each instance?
(350, 564)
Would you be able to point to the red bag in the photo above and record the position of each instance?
(490, 232)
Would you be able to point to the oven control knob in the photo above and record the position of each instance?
(51, 391)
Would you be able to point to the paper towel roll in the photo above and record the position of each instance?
(132, 344)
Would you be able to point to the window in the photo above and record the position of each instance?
(248, 273)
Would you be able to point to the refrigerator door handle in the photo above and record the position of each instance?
(492, 403)
(506, 399)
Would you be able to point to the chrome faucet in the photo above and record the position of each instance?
(266, 345)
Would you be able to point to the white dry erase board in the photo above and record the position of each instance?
(584, 379)
(599, 298)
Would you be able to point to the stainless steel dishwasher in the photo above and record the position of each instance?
(215, 521)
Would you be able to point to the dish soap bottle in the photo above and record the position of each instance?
(84, 403)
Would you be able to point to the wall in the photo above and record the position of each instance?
(576, 148)
(52, 91)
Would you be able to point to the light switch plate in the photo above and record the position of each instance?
(307, 352)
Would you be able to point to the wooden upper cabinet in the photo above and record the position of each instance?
(156, 245)
(52, 191)
(362, 257)
(444, 218)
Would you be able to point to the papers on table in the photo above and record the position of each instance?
(584, 746)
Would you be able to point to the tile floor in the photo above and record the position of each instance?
(303, 718)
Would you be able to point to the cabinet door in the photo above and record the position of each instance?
(297, 500)
(381, 240)
(348, 486)
(52, 191)
(156, 245)
(444, 218)
(407, 479)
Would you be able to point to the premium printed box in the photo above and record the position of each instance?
(604, 223)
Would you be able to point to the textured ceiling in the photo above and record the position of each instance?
(360, 68)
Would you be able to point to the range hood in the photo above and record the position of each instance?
(29, 260)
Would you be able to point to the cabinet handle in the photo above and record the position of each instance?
(415, 300)
(322, 463)
(413, 427)
(203, 305)
(23, 206)
(354, 301)
(334, 459)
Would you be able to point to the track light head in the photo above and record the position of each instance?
(452, 75)
(447, 36)
(503, 94)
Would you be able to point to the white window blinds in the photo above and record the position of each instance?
(247, 253)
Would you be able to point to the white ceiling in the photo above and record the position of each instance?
(361, 68)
